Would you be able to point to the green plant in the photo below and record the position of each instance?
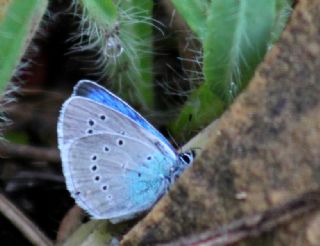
(121, 32)
(235, 36)
(18, 22)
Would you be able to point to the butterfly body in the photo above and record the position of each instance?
(116, 164)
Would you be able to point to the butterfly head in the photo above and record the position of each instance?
(186, 158)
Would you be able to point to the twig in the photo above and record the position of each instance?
(26, 226)
(28, 179)
(19, 151)
(255, 225)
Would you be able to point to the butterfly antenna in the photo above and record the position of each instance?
(195, 150)
(174, 142)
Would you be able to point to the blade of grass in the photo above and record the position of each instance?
(18, 22)
(24, 224)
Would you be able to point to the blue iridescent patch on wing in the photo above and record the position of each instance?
(95, 92)
(146, 184)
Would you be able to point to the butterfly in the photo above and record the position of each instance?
(116, 164)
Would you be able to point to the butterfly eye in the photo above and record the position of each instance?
(149, 158)
(94, 157)
(186, 158)
(106, 148)
(90, 131)
(97, 178)
(104, 188)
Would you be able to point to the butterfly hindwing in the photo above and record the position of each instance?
(112, 175)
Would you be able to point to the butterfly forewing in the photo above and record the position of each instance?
(112, 175)
(95, 92)
(83, 117)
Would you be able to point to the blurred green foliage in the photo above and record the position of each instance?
(121, 31)
(18, 22)
(235, 36)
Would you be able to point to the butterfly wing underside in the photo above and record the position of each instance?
(121, 179)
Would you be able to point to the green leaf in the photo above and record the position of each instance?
(283, 11)
(239, 35)
(141, 30)
(18, 24)
(131, 72)
(91, 233)
(237, 38)
(96, 232)
(195, 14)
(202, 107)
(121, 32)
(102, 11)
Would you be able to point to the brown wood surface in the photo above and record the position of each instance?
(263, 153)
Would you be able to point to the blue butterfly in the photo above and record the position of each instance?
(116, 164)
